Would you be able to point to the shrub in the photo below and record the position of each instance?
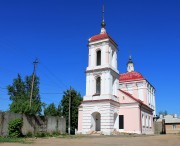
(40, 134)
(15, 128)
(29, 134)
(55, 133)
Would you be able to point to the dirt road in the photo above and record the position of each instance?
(157, 140)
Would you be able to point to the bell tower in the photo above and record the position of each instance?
(99, 109)
(102, 75)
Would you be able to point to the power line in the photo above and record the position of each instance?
(30, 57)
(11, 45)
(32, 85)
(55, 77)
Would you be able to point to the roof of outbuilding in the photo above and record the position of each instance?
(170, 119)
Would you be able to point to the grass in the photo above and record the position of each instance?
(14, 140)
(30, 139)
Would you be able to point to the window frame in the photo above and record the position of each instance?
(98, 86)
(98, 57)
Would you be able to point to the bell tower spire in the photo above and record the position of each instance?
(103, 24)
(130, 65)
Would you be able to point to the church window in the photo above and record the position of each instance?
(143, 120)
(149, 121)
(121, 121)
(98, 58)
(147, 124)
(98, 85)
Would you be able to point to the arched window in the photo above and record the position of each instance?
(98, 85)
(98, 58)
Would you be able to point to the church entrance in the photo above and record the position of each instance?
(96, 121)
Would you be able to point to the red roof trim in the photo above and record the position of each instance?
(128, 94)
(130, 76)
(100, 37)
(131, 80)
(139, 101)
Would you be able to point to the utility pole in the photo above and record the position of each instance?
(69, 122)
(32, 84)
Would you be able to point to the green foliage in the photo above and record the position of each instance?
(41, 134)
(15, 128)
(13, 140)
(51, 110)
(29, 134)
(75, 102)
(46, 134)
(19, 93)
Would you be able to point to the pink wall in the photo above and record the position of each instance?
(80, 114)
(131, 120)
(135, 90)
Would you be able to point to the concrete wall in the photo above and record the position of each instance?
(33, 124)
(159, 127)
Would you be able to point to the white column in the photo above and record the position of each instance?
(103, 55)
(102, 84)
(90, 57)
(117, 86)
(115, 60)
(110, 83)
(110, 56)
(87, 85)
(106, 83)
(91, 88)
(93, 57)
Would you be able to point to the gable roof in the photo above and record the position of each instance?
(132, 97)
(137, 100)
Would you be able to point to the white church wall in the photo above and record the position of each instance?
(106, 111)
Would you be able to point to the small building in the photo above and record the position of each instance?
(172, 123)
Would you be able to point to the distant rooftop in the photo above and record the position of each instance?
(170, 118)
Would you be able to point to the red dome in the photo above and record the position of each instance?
(130, 76)
(100, 37)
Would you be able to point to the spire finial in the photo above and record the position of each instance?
(103, 24)
(130, 58)
(130, 64)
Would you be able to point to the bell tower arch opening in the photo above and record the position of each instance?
(96, 121)
(98, 58)
(98, 85)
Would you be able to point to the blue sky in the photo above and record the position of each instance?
(56, 32)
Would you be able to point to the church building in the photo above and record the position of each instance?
(114, 102)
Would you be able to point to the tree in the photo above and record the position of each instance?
(75, 102)
(51, 110)
(19, 93)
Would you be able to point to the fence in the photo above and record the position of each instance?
(159, 127)
(33, 124)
